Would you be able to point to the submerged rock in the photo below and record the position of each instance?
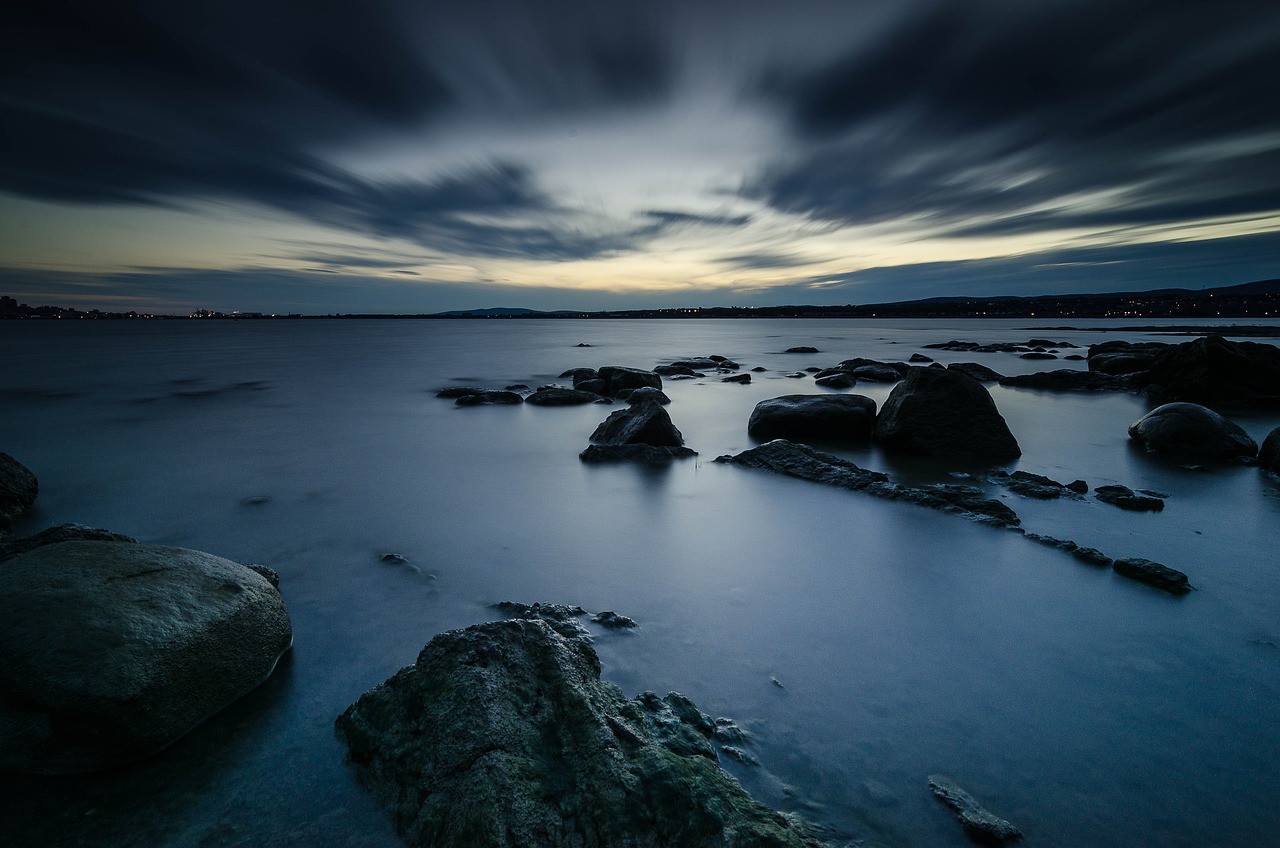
(981, 824)
(503, 735)
(489, 398)
(1188, 432)
(1126, 498)
(614, 621)
(737, 378)
(18, 490)
(557, 396)
(801, 349)
(113, 650)
(646, 454)
(945, 413)
(460, 391)
(802, 417)
(1092, 556)
(1153, 574)
(1033, 485)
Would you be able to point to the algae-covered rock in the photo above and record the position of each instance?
(503, 734)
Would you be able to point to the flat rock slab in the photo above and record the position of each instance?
(113, 650)
(981, 824)
(1153, 574)
(503, 734)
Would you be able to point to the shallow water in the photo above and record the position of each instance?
(1085, 708)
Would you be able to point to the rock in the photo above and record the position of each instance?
(563, 618)
(582, 344)
(650, 454)
(1188, 432)
(1031, 485)
(803, 417)
(839, 380)
(267, 573)
(969, 501)
(1091, 556)
(1035, 354)
(1220, 374)
(503, 734)
(676, 370)
(939, 412)
(1080, 487)
(802, 349)
(489, 398)
(1122, 362)
(737, 378)
(459, 391)
(759, 369)
(59, 533)
(727, 731)
(18, 490)
(981, 825)
(113, 650)
(594, 385)
(645, 423)
(797, 375)
(1070, 380)
(516, 387)
(394, 559)
(616, 378)
(1048, 343)
(1126, 498)
(735, 753)
(1153, 574)
(557, 396)
(981, 373)
(877, 373)
(645, 393)
(577, 375)
(1269, 453)
(919, 357)
(613, 621)
(1074, 357)
(255, 500)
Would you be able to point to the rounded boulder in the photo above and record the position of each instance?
(1189, 432)
(940, 412)
(802, 417)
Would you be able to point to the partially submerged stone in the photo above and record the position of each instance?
(645, 423)
(981, 824)
(559, 396)
(802, 417)
(1153, 574)
(1126, 498)
(503, 735)
(1189, 432)
(114, 650)
(489, 398)
(18, 490)
(944, 413)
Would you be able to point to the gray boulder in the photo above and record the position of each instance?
(503, 735)
(1189, 432)
(1269, 453)
(803, 417)
(18, 490)
(113, 650)
(938, 412)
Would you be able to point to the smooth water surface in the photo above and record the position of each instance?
(1087, 709)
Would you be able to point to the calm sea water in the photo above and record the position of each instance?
(1087, 709)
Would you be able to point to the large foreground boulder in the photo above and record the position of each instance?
(113, 650)
(1188, 432)
(804, 417)
(503, 735)
(18, 490)
(1217, 373)
(938, 412)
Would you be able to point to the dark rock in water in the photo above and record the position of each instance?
(557, 396)
(919, 357)
(18, 490)
(650, 454)
(1031, 485)
(503, 735)
(1048, 343)
(697, 363)
(1074, 357)
(737, 378)
(727, 732)
(113, 650)
(256, 500)
(59, 533)
(969, 501)
(1269, 453)
(563, 618)
(1217, 373)
(939, 412)
(1188, 432)
(489, 399)
(1126, 498)
(1070, 380)
(617, 377)
(1035, 354)
(839, 380)
(459, 391)
(801, 349)
(737, 754)
(979, 372)
(577, 375)
(582, 344)
(1080, 487)
(877, 373)
(813, 369)
(1122, 362)
(1092, 556)
(1153, 574)
(645, 423)
(759, 369)
(803, 417)
(675, 371)
(981, 825)
(797, 375)
(594, 385)
(394, 559)
(645, 393)
(610, 619)
(516, 387)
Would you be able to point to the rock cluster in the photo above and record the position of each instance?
(643, 431)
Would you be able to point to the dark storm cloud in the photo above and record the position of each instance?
(979, 117)
(168, 103)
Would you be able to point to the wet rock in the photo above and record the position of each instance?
(877, 373)
(801, 349)
(1126, 498)
(839, 380)
(562, 618)
(697, 363)
(614, 621)
(503, 734)
(113, 650)
(577, 375)
(489, 398)
(1153, 574)
(18, 490)
(1218, 373)
(759, 369)
(516, 387)
(1048, 343)
(939, 412)
(594, 385)
(676, 371)
(1091, 556)
(797, 375)
(59, 533)
(1070, 380)
(1035, 354)
(737, 378)
(979, 372)
(919, 358)
(647, 393)
(802, 417)
(557, 396)
(617, 378)
(727, 732)
(1074, 357)
(1122, 362)
(394, 559)
(1269, 453)
(645, 423)
(968, 501)
(645, 454)
(459, 391)
(1188, 432)
(1031, 485)
(255, 500)
(735, 753)
(582, 344)
(1080, 487)
(979, 823)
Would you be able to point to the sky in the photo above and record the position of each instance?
(320, 156)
